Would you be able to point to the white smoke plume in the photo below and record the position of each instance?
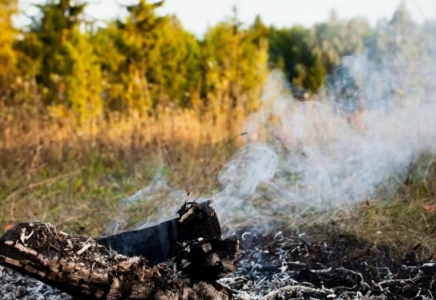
(355, 141)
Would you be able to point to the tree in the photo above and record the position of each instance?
(260, 30)
(152, 60)
(399, 46)
(83, 82)
(302, 64)
(336, 39)
(67, 73)
(308, 55)
(235, 63)
(7, 56)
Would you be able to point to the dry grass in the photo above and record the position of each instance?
(73, 176)
(406, 221)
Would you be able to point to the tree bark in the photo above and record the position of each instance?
(86, 269)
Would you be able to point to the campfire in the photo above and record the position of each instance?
(187, 258)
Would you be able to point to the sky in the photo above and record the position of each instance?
(197, 15)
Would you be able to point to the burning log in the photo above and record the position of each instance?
(90, 269)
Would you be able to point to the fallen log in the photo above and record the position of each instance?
(83, 268)
(90, 269)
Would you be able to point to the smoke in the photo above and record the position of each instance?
(162, 202)
(319, 158)
(355, 141)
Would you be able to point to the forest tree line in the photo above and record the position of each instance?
(62, 62)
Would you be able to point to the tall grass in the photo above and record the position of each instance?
(71, 174)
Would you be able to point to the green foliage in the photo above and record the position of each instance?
(151, 60)
(308, 55)
(66, 71)
(83, 83)
(147, 60)
(7, 56)
(235, 63)
(290, 49)
(56, 27)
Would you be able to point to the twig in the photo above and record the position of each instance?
(84, 248)
(186, 215)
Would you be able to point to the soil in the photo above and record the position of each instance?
(286, 265)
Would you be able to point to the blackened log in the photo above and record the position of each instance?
(156, 244)
(85, 269)
(194, 240)
(165, 240)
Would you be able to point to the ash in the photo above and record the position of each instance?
(14, 286)
(286, 265)
(291, 266)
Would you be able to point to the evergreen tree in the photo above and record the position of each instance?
(290, 48)
(147, 60)
(7, 56)
(260, 30)
(399, 46)
(235, 64)
(152, 60)
(67, 72)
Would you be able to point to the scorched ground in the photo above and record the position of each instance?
(286, 265)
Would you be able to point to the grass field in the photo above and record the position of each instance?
(74, 176)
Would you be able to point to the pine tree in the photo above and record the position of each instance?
(152, 60)
(235, 64)
(399, 46)
(67, 73)
(259, 30)
(291, 49)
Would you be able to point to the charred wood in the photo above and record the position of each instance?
(193, 240)
(163, 241)
(85, 269)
